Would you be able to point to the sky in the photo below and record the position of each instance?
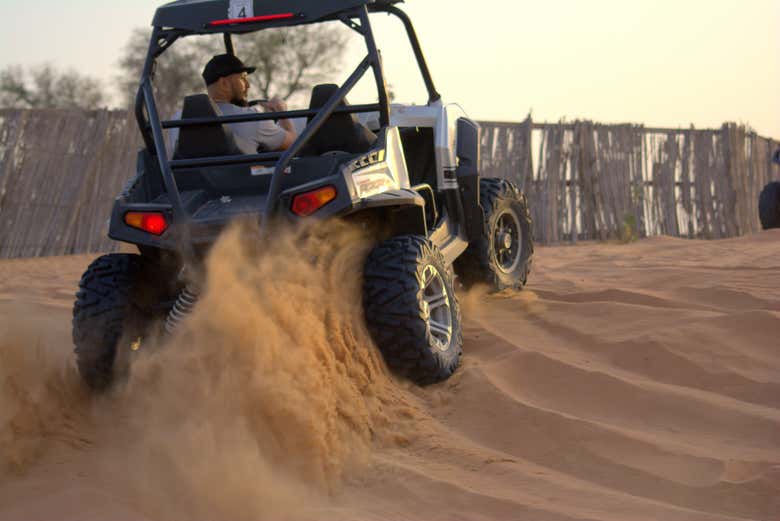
(664, 63)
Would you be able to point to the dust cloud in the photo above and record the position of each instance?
(271, 391)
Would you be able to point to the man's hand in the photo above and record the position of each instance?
(279, 105)
(275, 105)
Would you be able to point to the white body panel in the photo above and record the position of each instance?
(383, 171)
(443, 119)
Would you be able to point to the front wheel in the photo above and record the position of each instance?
(502, 255)
(411, 309)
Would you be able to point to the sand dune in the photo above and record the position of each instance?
(627, 382)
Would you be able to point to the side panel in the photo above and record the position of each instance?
(451, 235)
(444, 121)
(378, 170)
(446, 134)
(395, 157)
(468, 176)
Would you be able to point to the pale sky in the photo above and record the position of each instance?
(663, 63)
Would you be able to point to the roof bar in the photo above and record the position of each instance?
(260, 116)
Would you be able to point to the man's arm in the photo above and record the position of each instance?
(278, 105)
(291, 136)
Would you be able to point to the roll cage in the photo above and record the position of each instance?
(166, 32)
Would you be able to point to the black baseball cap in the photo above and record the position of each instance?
(223, 65)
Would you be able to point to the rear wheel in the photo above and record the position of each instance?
(769, 206)
(411, 309)
(502, 255)
(108, 318)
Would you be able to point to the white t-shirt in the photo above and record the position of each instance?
(253, 133)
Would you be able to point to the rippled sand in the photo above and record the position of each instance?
(627, 382)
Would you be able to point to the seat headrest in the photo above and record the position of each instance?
(204, 140)
(320, 95)
(342, 132)
(199, 106)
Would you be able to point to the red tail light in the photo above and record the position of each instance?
(150, 222)
(307, 203)
(252, 19)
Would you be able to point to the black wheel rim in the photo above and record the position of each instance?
(507, 241)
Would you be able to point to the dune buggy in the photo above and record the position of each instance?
(412, 168)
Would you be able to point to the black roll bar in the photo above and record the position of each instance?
(150, 120)
(240, 159)
(261, 116)
(143, 123)
(154, 124)
(229, 44)
(162, 157)
(152, 128)
(140, 115)
(433, 94)
(313, 126)
(376, 65)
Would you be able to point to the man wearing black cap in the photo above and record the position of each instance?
(228, 85)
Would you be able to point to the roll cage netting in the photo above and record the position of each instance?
(152, 127)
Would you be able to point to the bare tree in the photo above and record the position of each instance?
(177, 72)
(292, 60)
(45, 87)
(289, 61)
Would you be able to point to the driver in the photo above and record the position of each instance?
(227, 83)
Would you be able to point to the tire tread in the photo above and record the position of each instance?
(475, 265)
(391, 293)
(102, 304)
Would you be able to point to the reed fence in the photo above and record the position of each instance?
(587, 180)
(60, 171)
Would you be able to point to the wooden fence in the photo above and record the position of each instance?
(60, 171)
(592, 181)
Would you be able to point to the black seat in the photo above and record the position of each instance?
(340, 131)
(206, 140)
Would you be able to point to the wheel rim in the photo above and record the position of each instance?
(436, 304)
(507, 241)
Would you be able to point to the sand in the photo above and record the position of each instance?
(626, 382)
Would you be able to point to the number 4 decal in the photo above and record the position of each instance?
(241, 9)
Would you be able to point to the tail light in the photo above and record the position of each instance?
(307, 203)
(150, 222)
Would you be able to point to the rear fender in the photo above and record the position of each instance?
(395, 212)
